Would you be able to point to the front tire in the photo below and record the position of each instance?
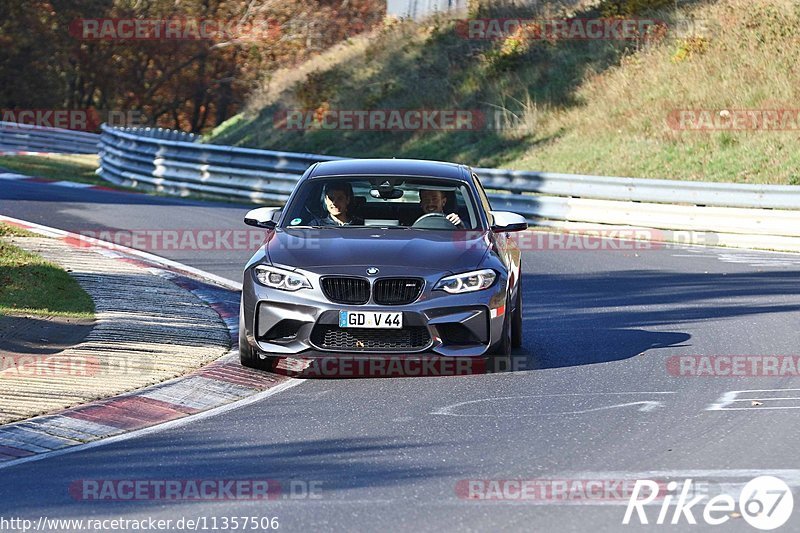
(248, 355)
(516, 322)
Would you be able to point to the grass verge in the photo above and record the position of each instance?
(598, 107)
(7, 230)
(67, 167)
(81, 169)
(29, 285)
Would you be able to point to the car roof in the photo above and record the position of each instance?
(390, 167)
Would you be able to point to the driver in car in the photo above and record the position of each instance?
(338, 197)
(432, 201)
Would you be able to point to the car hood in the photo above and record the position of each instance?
(444, 251)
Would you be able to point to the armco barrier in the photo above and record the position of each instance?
(26, 138)
(643, 190)
(753, 216)
(153, 159)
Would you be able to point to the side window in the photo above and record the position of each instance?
(484, 199)
(467, 205)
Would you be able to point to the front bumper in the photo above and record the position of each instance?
(281, 323)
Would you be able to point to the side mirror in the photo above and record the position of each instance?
(263, 217)
(505, 221)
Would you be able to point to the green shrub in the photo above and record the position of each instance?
(689, 47)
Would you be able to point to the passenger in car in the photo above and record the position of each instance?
(338, 197)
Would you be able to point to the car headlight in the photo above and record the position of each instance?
(467, 282)
(277, 278)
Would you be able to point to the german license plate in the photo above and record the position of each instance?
(359, 319)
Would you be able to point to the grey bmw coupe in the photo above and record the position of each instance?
(382, 258)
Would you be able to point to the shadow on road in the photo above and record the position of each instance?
(584, 319)
(333, 467)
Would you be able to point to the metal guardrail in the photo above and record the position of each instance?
(153, 159)
(24, 137)
(178, 155)
(157, 159)
(752, 216)
(643, 190)
(176, 163)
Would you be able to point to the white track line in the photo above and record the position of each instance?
(54, 232)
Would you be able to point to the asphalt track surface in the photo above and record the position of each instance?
(592, 399)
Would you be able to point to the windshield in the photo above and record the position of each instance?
(390, 202)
